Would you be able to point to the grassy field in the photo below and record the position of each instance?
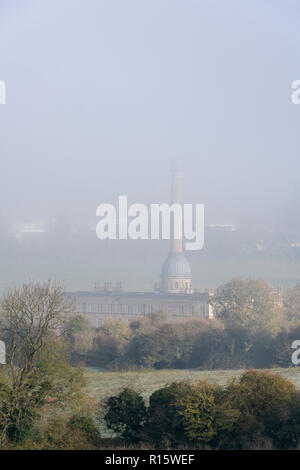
(104, 384)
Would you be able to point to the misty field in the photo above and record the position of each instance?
(104, 384)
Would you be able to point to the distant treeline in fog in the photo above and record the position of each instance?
(254, 327)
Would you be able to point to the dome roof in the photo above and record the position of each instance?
(176, 265)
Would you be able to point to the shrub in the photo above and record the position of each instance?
(165, 425)
(126, 415)
(263, 401)
(86, 426)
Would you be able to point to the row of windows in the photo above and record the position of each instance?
(116, 308)
(140, 308)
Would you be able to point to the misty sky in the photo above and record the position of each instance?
(101, 95)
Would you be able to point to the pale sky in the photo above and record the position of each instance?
(101, 95)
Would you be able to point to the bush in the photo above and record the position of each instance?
(198, 412)
(165, 425)
(263, 401)
(86, 426)
(126, 415)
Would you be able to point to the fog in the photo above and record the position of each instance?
(103, 95)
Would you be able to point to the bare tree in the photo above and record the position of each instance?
(28, 316)
(31, 319)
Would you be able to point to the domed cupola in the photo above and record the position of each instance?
(176, 275)
(176, 265)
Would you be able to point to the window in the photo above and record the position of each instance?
(81, 308)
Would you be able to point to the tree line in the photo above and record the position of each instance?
(253, 327)
(258, 411)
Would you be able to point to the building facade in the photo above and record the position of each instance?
(99, 307)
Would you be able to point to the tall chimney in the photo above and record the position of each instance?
(176, 198)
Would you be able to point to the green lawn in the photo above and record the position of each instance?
(105, 384)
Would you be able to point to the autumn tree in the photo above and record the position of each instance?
(206, 414)
(110, 343)
(80, 336)
(263, 401)
(247, 303)
(31, 321)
